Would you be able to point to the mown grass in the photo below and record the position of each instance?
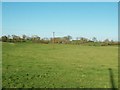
(58, 66)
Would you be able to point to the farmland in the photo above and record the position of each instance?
(58, 66)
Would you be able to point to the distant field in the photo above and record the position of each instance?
(58, 66)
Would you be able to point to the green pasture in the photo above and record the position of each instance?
(33, 65)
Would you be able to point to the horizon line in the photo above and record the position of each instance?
(73, 38)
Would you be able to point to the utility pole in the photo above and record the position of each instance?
(53, 37)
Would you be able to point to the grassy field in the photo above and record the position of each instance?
(58, 66)
(0, 65)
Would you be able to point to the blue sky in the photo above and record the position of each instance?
(78, 19)
(0, 18)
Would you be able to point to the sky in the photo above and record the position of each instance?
(0, 19)
(77, 19)
(60, 0)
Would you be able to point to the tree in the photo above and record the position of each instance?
(24, 37)
(65, 39)
(4, 38)
(94, 39)
(69, 37)
(78, 38)
(83, 40)
(16, 38)
(0, 38)
(45, 38)
(28, 38)
(8, 38)
(106, 41)
(35, 38)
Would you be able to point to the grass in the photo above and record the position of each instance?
(0, 65)
(58, 66)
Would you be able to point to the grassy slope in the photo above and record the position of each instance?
(36, 65)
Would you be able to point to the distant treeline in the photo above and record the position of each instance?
(58, 40)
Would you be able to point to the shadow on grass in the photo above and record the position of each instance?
(112, 79)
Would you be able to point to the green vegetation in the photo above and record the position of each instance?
(58, 65)
(0, 65)
(59, 40)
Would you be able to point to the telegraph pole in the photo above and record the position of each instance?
(53, 37)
